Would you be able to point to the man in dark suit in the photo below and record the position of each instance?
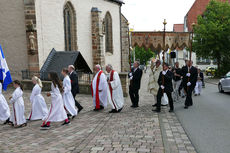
(189, 82)
(135, 84)
(165, 86)
(74, 85)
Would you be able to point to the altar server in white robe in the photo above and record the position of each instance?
(115, 92)
(39, 109)
(99, 89)
(69, 102)
(17, 116)
(4, 107)
(56, 112)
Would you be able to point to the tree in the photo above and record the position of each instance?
(143, 55)
(212, 34)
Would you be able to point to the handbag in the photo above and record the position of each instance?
(164, 99)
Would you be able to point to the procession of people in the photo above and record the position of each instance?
(106, 89)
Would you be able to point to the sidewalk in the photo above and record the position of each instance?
(133, 130)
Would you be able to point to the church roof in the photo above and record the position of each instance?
(57, 60)
(118, 1)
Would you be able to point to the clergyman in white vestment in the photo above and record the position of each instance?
(99, 89)
(115, 92)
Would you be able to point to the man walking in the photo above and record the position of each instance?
(74, 85)
(189, 82)
(115, 95)
(135, 84)
(176, 80)
(165, 86)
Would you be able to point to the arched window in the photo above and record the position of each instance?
(70, 27)
(108, 33)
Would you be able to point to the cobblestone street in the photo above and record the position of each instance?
(133, 130)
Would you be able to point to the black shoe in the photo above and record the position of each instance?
(113, 111)
(119, 110)
(66, 123)
(171, 110)
(73, 117)
(132, 106)
(155, 105)
(101, 107)
(156, 110)
(45, 127)
(185, 107)
(7, 121)
(96, 110)
(80, 109)
(195, 95)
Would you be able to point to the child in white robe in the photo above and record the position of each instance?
(4, 107)
(69, 102)
(39, 109)
(17, 116)
(56, 112)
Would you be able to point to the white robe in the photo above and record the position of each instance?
(56, 112)
(4, 107)
(68, 99)
(103, 85)
(17, 116)
(39, 109)
(116, 99)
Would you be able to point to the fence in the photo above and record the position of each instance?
(83, 78)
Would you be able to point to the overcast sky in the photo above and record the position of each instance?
(148, 15)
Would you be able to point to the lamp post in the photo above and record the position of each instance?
(190, 56)
(164, 41)
(163, 57)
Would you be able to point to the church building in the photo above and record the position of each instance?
(30, 29)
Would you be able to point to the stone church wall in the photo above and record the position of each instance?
(13, 35)
(50, 28)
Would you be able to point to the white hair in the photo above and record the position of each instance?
(110, 66)
(72, 67)
(98, 66)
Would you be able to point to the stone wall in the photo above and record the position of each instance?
(50, 28)
(125, 65)
(30, 21)
(13, 36)
(97, 37)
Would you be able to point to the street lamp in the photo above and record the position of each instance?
(190, 56)
(164, 23)
(163, 80)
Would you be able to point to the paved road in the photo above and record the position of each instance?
(207, 123)
(132, 131)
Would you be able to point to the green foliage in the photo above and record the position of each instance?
(143, 55)
(212, 34)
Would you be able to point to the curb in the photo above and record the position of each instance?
(211, 82)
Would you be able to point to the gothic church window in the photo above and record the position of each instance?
(108, 33)
(70, 27)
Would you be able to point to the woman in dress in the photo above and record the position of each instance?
(4, 107)
(39, 109)
(69, 102)
(56, 112)
(17, 116)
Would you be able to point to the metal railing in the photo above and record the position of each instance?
(83, 78)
